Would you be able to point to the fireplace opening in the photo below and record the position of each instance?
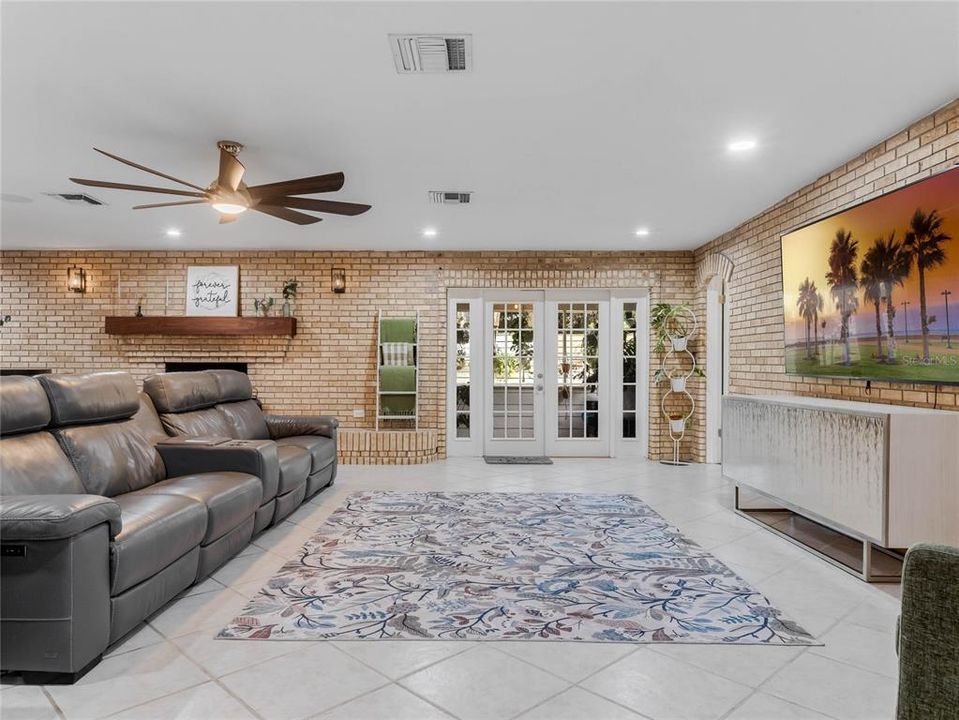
(205, 365)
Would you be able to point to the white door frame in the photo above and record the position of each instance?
(717, 365)
(472, 444)
(480, 348)
(638, 446)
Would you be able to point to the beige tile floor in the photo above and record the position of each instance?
(172, 668)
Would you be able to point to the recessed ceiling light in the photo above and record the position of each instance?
(429, 232)
(742, 145)
(642, 232)
(173, 232)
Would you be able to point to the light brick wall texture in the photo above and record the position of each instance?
(330, 366)
(755, 292)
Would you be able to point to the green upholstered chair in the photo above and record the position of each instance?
(928, 639)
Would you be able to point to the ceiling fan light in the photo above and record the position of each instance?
(228, 208)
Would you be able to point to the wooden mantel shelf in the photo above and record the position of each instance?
(184, 325)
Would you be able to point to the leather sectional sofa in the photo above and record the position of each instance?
(104, 517)
(219, 403)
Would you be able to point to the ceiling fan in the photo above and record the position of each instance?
(230, 196)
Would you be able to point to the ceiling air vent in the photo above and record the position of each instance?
(432, 53)
(76, 198)
(449, 197)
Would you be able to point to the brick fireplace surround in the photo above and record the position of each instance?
(329, 366)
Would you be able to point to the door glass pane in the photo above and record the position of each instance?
(514, 371)
(577, 376)
(629, 369)
(462, 370)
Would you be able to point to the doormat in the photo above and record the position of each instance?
(517, 460)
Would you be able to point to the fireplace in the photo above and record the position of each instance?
(205, 365)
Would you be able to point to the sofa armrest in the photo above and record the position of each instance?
(928, 637)
(281, 426)
(55, 517)
(192, 455)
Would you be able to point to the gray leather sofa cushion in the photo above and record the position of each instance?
(23, 405)
(157, 530)
(207, 423)
(112, 458)
(230, 498)
(291, 425)
(233, 385)
(186, 456)
(246, 418)
(294, 467)
(54, 517)
(147, 421)
(34, 464)
(90, 398)
(322, 449)
(182, 391)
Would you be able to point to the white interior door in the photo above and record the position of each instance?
(515, 379)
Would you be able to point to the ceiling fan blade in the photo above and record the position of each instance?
(172, 204)
(226, 218)
(325, 206)
(149, 170)
(231, 171)
(303, 186)
(140, 188)
(290, 215)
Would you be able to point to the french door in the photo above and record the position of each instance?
(546, 372)
(515, 373)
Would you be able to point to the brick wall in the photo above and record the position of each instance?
(755, 294)
(330, 365)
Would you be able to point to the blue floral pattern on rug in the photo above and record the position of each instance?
(508, 566)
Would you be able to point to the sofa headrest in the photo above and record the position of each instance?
(182, 391)
(233, 385)
(90, 398)
(23, 405)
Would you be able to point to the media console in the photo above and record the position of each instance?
(880, 476)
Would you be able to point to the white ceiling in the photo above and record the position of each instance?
(579, 123)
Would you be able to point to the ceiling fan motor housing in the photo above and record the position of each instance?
(230, 146)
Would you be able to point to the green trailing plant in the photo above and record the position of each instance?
(667, 320)
(289, 289)
(4, 319)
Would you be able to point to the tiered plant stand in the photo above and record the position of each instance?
(681, 317)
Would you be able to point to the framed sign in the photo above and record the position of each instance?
(212, 290)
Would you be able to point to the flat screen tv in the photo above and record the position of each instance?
(872, 292)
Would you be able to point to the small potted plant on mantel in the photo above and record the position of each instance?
(289, 296)
(263, 305)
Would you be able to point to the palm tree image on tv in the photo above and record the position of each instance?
(887, 267)
(842, 281)
(924, 240)
(870, 279)
(892, 261)
(810, 304)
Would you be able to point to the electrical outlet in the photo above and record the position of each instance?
(359, 412)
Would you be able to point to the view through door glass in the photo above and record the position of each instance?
(577, 377)
(514, 372)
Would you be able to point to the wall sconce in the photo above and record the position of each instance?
(338, 280)
(77, 279)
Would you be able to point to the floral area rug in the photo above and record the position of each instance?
(508, 566)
